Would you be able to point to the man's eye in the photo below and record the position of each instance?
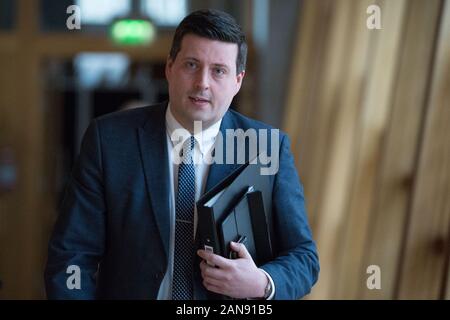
(191, 65)
(219, 71)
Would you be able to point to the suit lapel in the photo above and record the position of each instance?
(153, 148)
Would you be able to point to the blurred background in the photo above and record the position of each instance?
(367, 110)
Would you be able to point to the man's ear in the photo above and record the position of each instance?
(239, 79)
(169, 64)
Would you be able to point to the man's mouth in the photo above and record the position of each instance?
(198, 100)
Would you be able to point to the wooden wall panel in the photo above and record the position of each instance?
(446, 289)
(398, 159)
(423, 268)
(304, 81)
(8, 42)
(355, 116)
(28, 279)
(373, 122)
(340, 92)
(10, 203)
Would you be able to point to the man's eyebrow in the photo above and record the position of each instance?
(191, 58)
(220, 65)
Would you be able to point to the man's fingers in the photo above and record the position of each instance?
(209, 272)
(210, 283)
(213, 259)
(241, 250)
(214, 282)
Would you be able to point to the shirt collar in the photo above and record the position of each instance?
(205, 138)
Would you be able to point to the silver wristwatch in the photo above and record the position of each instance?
(267, 289)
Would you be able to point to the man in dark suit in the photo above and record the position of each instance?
(127, 224)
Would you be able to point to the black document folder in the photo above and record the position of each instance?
(237, 227)
(238, 208)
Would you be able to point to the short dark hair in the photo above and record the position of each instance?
(214, 25)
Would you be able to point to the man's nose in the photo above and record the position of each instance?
(202, 79)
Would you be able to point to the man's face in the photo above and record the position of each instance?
(202, 80)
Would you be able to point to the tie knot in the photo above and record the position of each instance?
(186, 151)
(191, 142)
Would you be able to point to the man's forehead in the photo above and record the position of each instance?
(222, 52)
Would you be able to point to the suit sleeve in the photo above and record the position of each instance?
(77, 242)
(295, 270)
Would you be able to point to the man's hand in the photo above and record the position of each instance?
(237, 278)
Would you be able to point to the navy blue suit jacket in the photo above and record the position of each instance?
(114, 218)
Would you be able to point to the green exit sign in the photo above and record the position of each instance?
(132, 32)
